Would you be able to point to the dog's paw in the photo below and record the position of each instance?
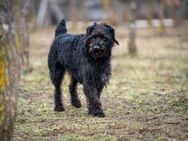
(59, 109)
(97, 113)
(76, 103)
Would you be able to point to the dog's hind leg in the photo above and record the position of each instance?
(73, 93)
(57, 77)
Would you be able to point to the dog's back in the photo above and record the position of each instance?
(65, 50)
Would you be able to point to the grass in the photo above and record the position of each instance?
(147, 98)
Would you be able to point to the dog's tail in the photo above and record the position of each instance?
(61, 28)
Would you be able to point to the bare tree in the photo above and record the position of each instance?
(132, 28)
(73, 14)
(47, 9)
(174, 6)
(24, 32)
(161, 28)
(106, 7)
(149, 12)
(10, 64)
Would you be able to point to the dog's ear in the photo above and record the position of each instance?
(112, 33)
(90, 28)
(113, 36)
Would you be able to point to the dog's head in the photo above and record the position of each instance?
(100, 39)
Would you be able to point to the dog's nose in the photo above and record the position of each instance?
(96, 47)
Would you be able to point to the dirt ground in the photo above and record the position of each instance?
(146, 99)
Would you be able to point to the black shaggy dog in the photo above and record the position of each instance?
(86, 57)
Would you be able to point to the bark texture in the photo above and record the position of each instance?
(13, 44)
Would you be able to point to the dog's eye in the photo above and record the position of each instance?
(89, 44)
(102, 43)
(103, 38)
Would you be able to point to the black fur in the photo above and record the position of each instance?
(86, 57)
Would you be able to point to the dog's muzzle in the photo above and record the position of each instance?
(96, 48)
(97, 52)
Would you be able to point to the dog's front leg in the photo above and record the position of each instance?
(93, 100)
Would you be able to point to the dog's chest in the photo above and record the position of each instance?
(104, 78)
(97, 75)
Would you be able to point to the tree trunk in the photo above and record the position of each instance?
(10, 62)
(73, 14)
(41, 17)
(174, 15)
(149, 12)
(132, 28)
(106, 7)
(56, 10)
(161, 28)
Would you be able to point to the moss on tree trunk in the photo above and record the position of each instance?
(10, 63)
